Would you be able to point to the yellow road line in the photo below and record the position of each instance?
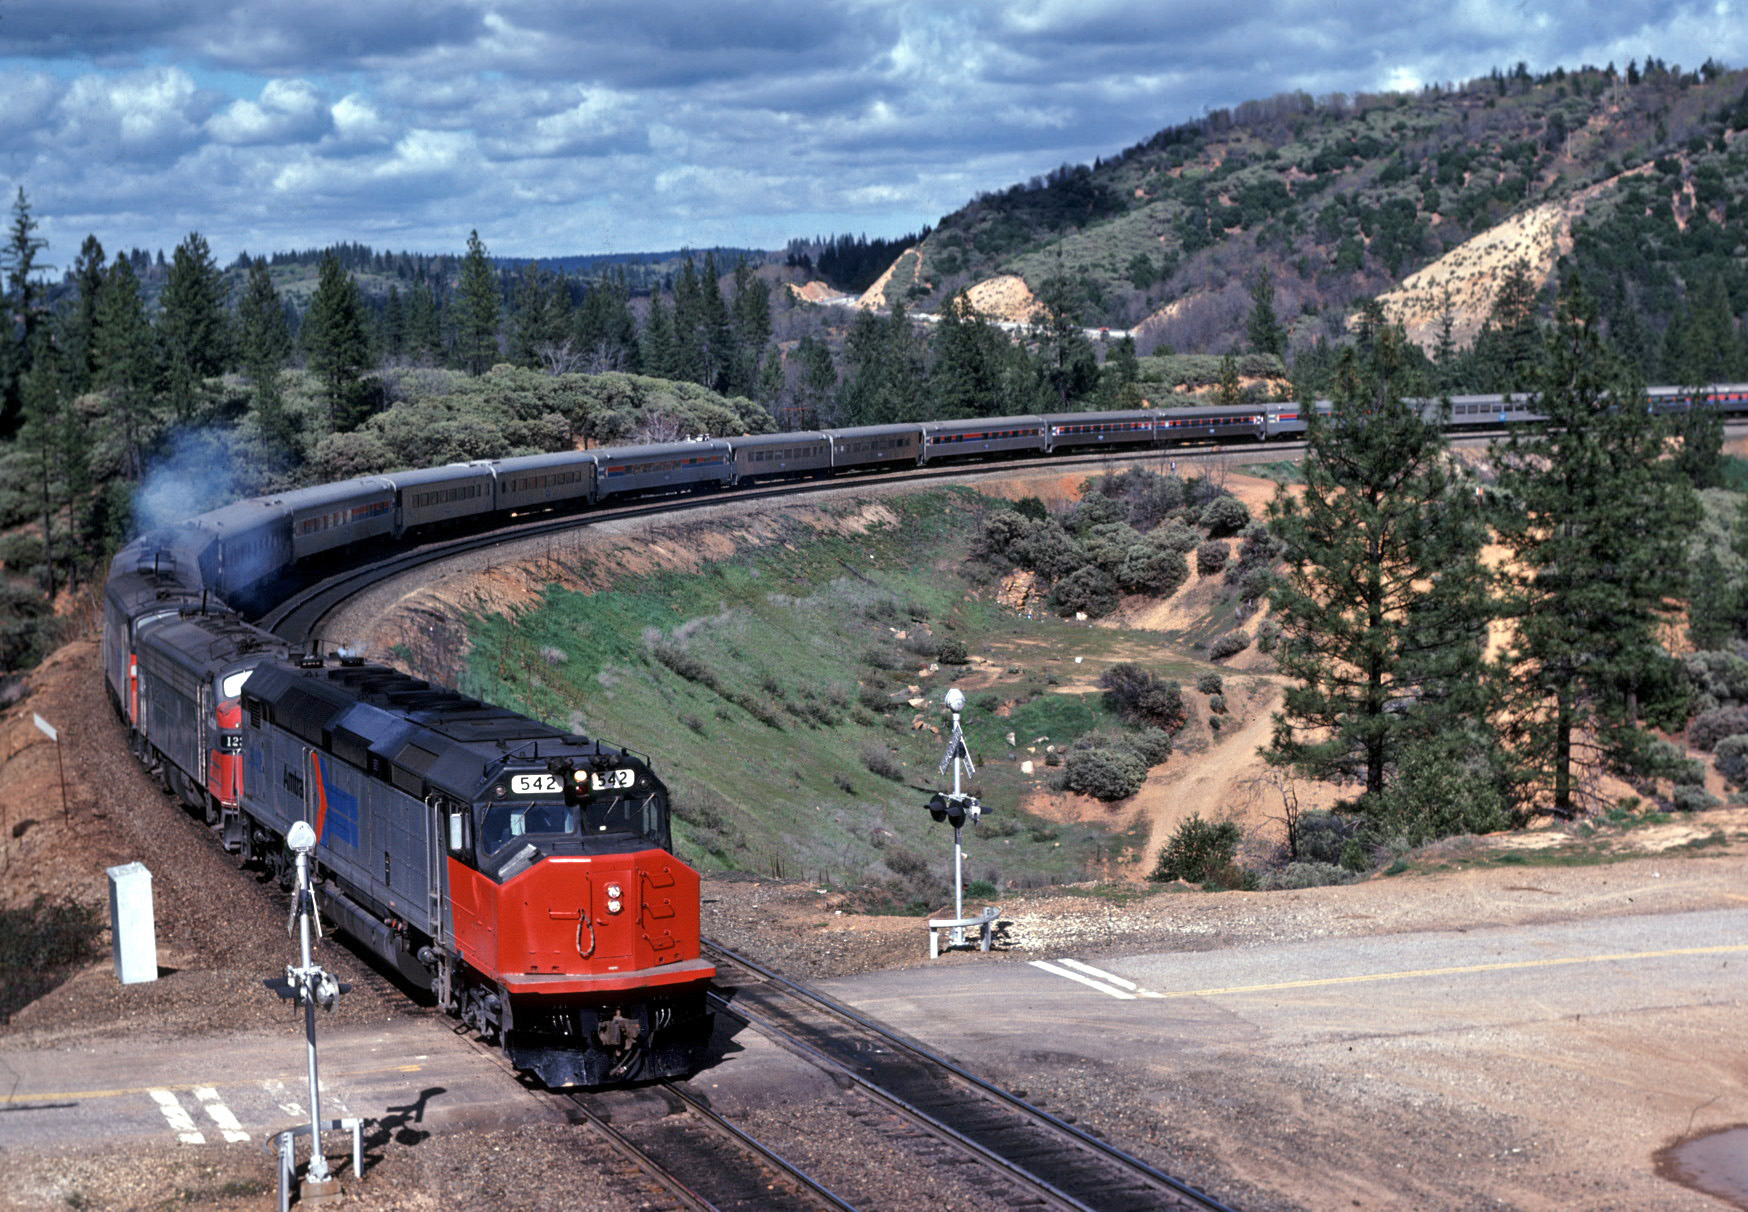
(84, 1094)
(1500, 967)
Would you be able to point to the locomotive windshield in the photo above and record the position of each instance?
(603, 824)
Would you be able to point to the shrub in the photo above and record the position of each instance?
(1175, 535)
(1230, 644)
(1307, 875)
(1049, 551)
(1731, 757)
(1152, 567)
(1690, 797)
(1106, 774)
(952, 652)
(1217, 704)
(1224, 516)
(1211, 557)
(1710, 727)
(1089, 590)
(1143, 698)
(1196, 849)
(1720, 677)
(1210, 683)
(1322, 835)
(881, 761)
(1109, 544)
(1268, 634)
(878, 656)
(873, 698)
(1255, 583)
(1151, 745)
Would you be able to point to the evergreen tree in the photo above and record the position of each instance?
(125, 362)
(1066, 364)
(1228, 392)
(79, 322)
(750, 329)
(424, 340)
(265, 344)
(1380, 601)
(816, 381)
(540, 316)
(1263, 327)
(476, 327)
(605, 330)
(971, 357)
(1509, 349)
(1596, 530)
(336, 341)
(393, 340)
(884, 374)
(191, 324)
(657, 344)
(23, 310)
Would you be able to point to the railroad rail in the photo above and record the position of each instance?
(704, 1162)
(1046, 1160)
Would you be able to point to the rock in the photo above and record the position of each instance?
(1025, 767)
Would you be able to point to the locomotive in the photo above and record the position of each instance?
(524, 874)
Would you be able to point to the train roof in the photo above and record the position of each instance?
(318, 495)
(755, 440)
(211, 640)
(875, 431)
(607, 454)
(409, 731)
(447, 474)
(980, 423)
(535, 462)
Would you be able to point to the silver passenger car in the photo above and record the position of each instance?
(543, 481)
(982, 436)
(765, 456)
(438, 495)
(671, 467)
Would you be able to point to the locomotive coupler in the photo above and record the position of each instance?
(619, 1032)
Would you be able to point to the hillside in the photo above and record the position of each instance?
(1634, 181)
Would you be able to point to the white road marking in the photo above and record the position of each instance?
(181, 1123)
(1111, 978)
(1088, 981)
(220, 1114)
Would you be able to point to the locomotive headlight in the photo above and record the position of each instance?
(614, 906)
(614, 891)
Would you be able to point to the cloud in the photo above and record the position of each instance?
(564, 127)
(289, 111)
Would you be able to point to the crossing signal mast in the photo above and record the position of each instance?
(955, 807)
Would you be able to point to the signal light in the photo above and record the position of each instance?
(938, 806)
(954, 808)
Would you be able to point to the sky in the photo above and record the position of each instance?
(602, 126)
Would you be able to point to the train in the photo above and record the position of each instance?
(525, 875)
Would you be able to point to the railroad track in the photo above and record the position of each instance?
(697, 1157)
(300, 615)
(1034, 1158)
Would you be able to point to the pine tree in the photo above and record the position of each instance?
(1596, 532)
(970, 361)
(336, 341)
(1066, 364)
(658, 347)
(1379, 602)
(476, 335)
(884, 375)
(605, 330)
(79, 322)
(23, 311)
(1228, 392)
(191, 324)
(1263, 327)
(539, 315)
(424, 339)
(750, 332)
(1510, 347)
(125, 362)
(265, 344)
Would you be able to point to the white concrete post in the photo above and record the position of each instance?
(132, 925)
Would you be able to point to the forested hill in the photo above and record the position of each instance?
(1337, 199)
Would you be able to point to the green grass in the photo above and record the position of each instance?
(747, 682)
